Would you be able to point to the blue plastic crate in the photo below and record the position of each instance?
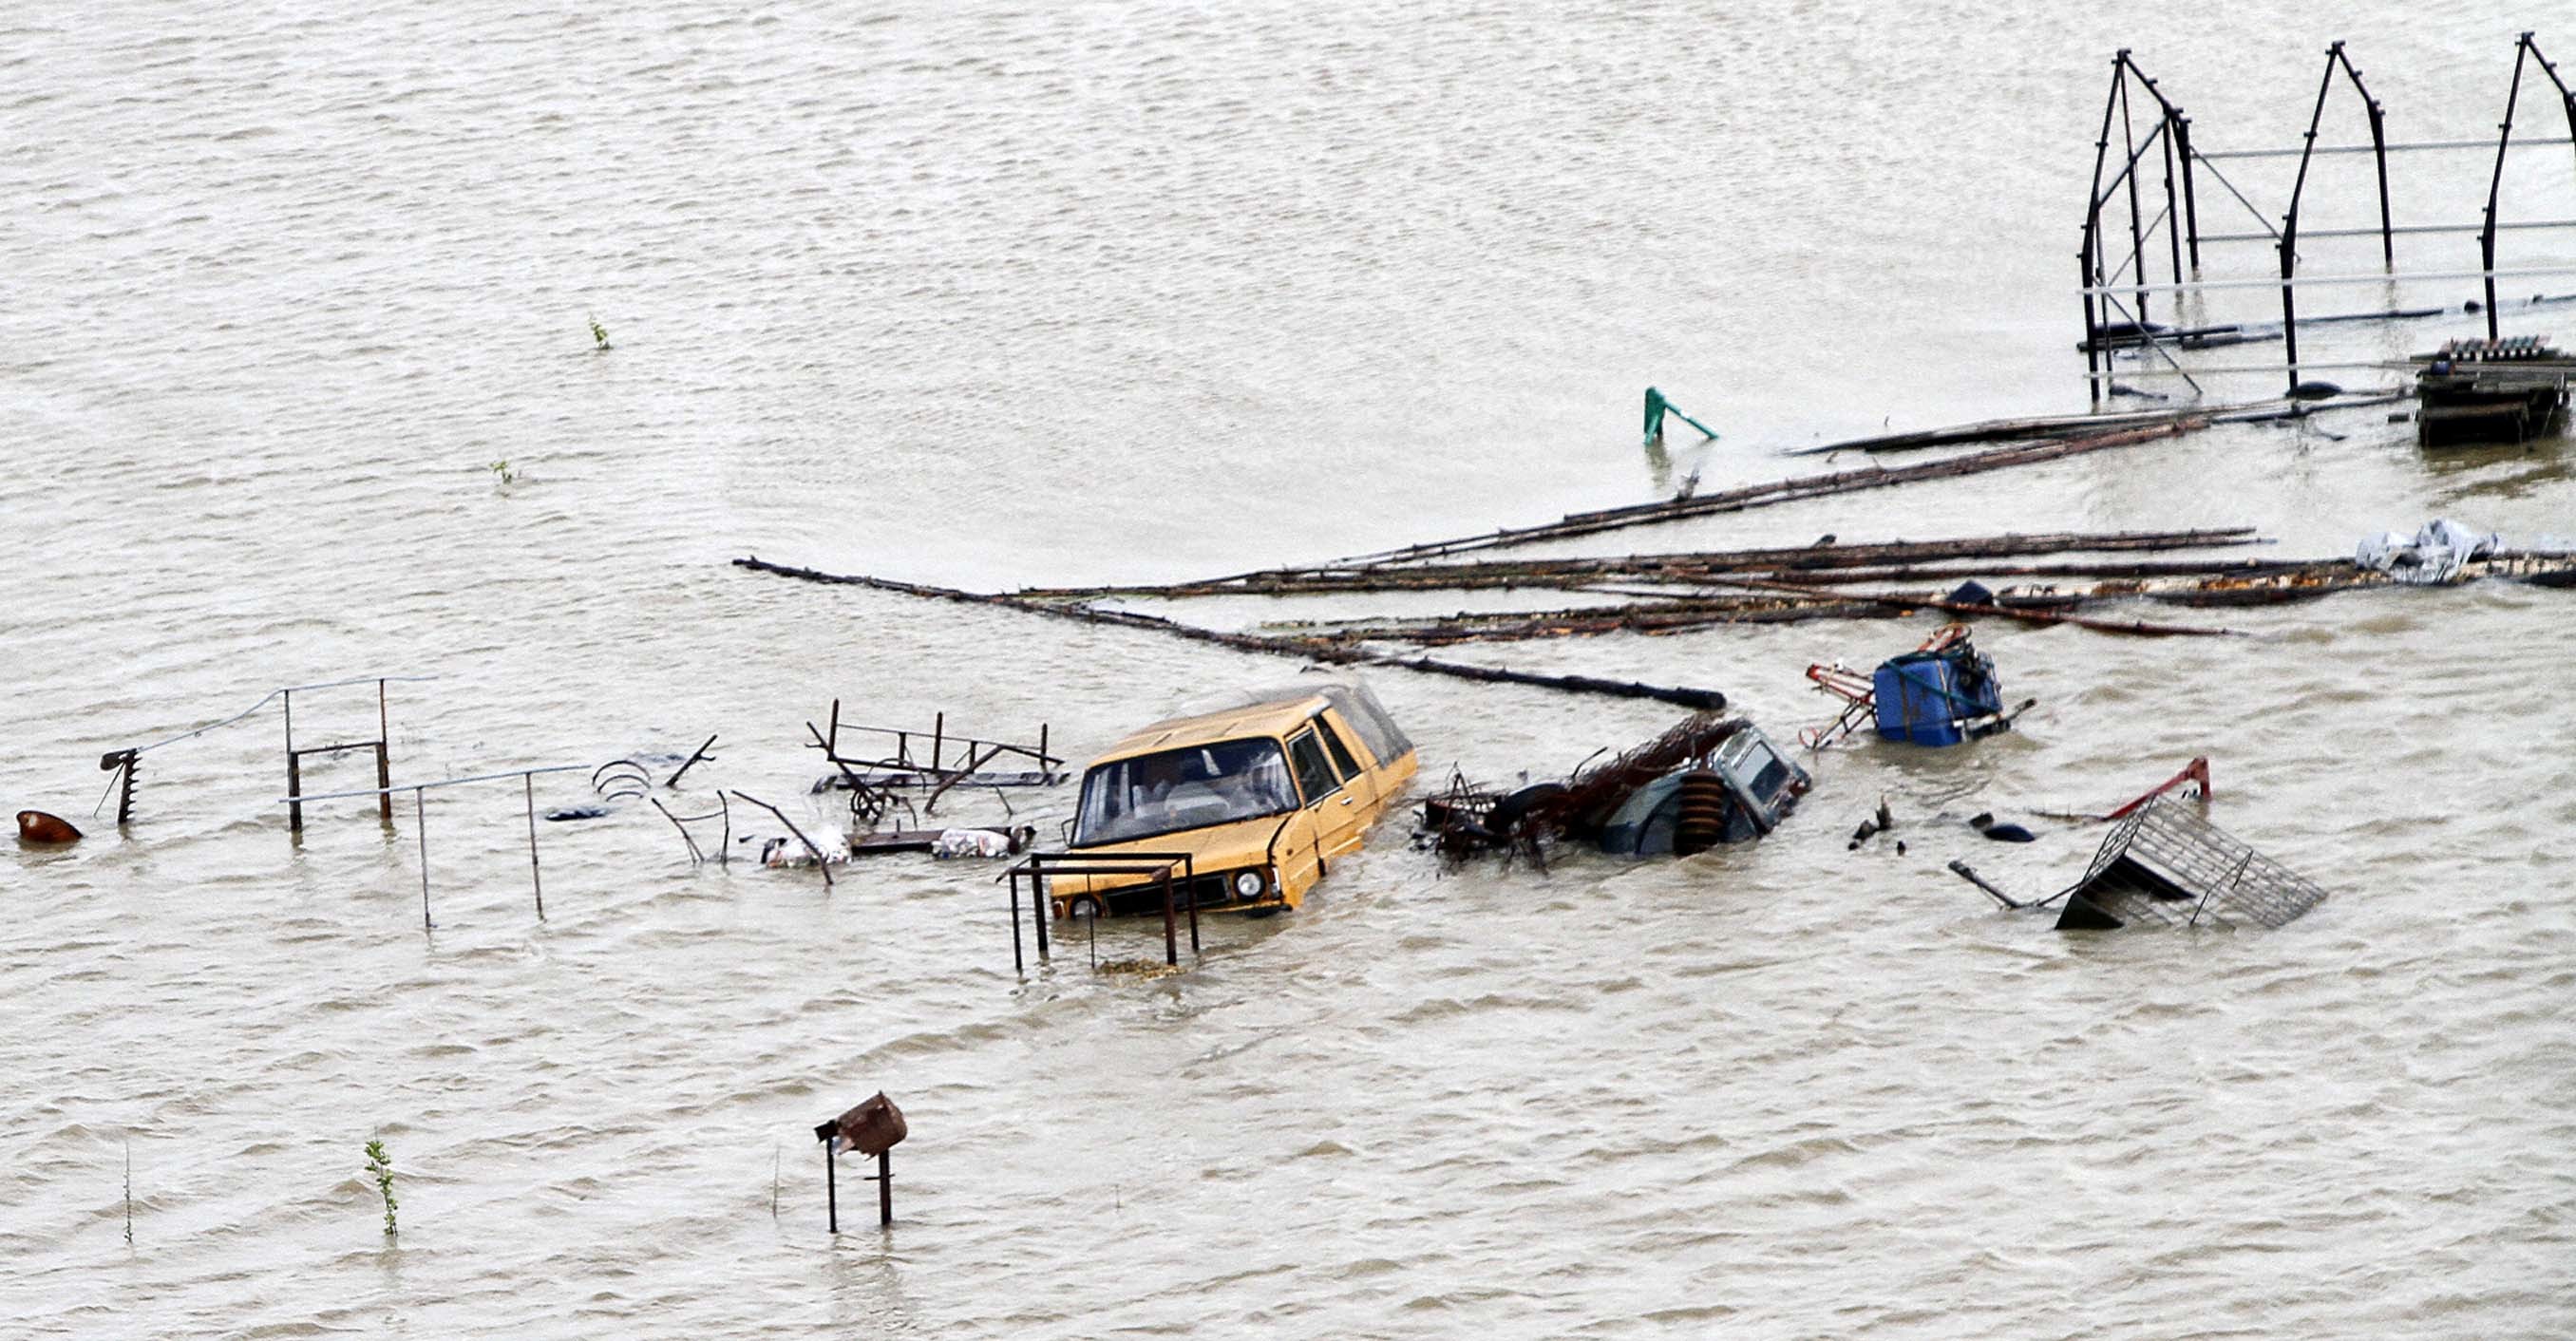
(1935, 698)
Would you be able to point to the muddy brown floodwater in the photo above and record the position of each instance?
(990, 295)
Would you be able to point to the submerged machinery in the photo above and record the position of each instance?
(1944, 692)
(1709, 780)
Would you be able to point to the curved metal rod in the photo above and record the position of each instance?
(2523, 46)
(594, 773)
(696, 857)
(819, 864)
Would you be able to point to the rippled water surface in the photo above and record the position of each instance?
(991, 295)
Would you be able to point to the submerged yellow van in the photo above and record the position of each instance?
(1263, 795)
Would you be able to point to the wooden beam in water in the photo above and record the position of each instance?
(1505, 573)
(1779, 491)
(1307, 649)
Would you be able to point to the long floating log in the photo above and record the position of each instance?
(1530, 626)
(1506, 573)
(2300, 583)
(1802, 597)
(2069, 425)
(1779, 491)
(1791, 605)
(1307, 649)
(2139, 628)
(1962, 572)
(1802, 603)
(2009, 430)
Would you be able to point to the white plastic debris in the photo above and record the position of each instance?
(2430, 557)
(788, 850)
(969, 843)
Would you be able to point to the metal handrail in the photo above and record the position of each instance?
(277, 693)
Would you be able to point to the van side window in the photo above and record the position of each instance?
(1314, 776)
(1341, 752)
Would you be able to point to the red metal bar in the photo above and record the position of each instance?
(2196, 771)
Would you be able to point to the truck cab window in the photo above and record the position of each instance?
(1341, 752)
(1314, 776)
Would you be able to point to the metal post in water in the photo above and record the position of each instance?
(384, 756)
(2504, 137)
(2190, 206)
(2379, 151)
(1190, 892)
(534, 879)
(2486, 261)
(1038, 911)
(2093, 221)
(2289, 308)
(2137, 236)
(420, 821)
(1171, 943)
(831, 1188)
(1018, 964)
(2173, 212)
(2092, 330)
(885, 1188)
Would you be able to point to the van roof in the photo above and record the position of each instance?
(1275, 713)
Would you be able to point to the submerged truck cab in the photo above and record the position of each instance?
(1741, 792)
(1262, 796)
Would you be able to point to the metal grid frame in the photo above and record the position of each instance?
(2227, 882)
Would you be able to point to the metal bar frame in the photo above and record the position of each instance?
(2523, 48)
(420, 810)
(2172, 133)
(2314, 233)
(1038, 867)
(2288, 246)
(2180, 214)
(2415, 147)
(2527, 272)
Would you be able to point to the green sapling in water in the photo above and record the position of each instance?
(382, 1166)
(599, 334)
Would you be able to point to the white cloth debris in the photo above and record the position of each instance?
(788, 850)
(969, 843)
(2431, 556)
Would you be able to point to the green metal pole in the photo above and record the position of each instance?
(1657, 407)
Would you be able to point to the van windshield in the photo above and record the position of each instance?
(1753, 762)
(1187, 788)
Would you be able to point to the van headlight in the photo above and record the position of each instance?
(1249, 884)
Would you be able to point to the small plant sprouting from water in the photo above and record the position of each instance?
(503, 469)
(381, 1165)
(129, 1192)
(599, 335)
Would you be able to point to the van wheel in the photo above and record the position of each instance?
(1083, 905)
